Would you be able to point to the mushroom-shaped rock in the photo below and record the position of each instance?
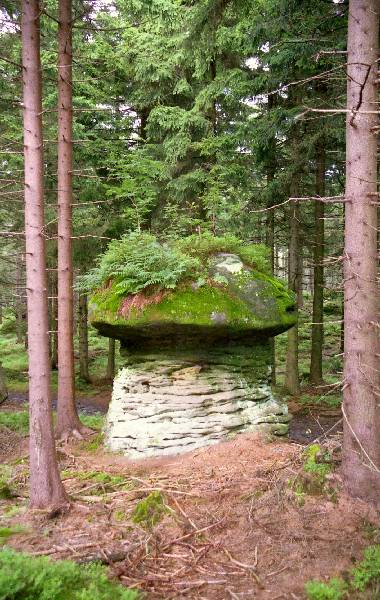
(197, 359)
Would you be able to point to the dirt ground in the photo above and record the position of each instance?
(234, 524)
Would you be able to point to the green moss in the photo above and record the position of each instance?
(264, 307)
(317, 463)
(149, 511)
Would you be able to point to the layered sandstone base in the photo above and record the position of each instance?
(167, 402)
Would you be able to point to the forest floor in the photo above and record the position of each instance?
(242, 519)
(254, 517)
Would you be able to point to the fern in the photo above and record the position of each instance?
(139, 261)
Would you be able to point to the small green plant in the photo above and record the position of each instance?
(6, 532)
(362, 582)
(317, 462)
(93, 421)
(100, 477)
(6, 492)
(94, 443)
(119, 515)
(23, 577)
(149, 511)
(312, 478)
(368, 570)
(334, 590)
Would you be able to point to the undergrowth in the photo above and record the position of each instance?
(23, 577)
(18, 421)
(15, 420)
(362, 582)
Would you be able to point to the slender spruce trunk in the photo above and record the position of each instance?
(68, 423)
(292, 374)
(110, 374)
(83, 338)
(3, 385)
(20, 322)
(361, 375)
(316, 375)
(53, 321)
(46, 489)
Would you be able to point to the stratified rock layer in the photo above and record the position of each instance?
(167, 402)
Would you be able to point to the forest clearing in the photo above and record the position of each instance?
(189, 304)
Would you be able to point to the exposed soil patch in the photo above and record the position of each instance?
(309, 423)
(233, 526)
(11, 444)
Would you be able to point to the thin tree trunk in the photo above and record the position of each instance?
(316, 376)
(54, 322)
(3, 385)
(68, 422)
(361, 376)
(20, 323)
(300, 272)
(270, 243)
(292, 375)
(83, 338)
(46, 489)
(111, 359)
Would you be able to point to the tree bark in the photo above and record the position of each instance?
(111, 359)
(361, 376)
(20, 320)
(68, 423)
(269, 229)
(46, 489)
(83, 338)
(292, 375)
(316, 375)
(3, 385)
(53, 321)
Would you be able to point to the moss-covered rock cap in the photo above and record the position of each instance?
(232, 301)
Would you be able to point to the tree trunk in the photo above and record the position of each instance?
(83, 339)
(46, 489)
(3, 385)
(20, 321)
(300, 272)
(316, 377)
(111, 359)
(269, 240)
(53, 321)
(361, 376)
(68, 422)
(292, 376)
